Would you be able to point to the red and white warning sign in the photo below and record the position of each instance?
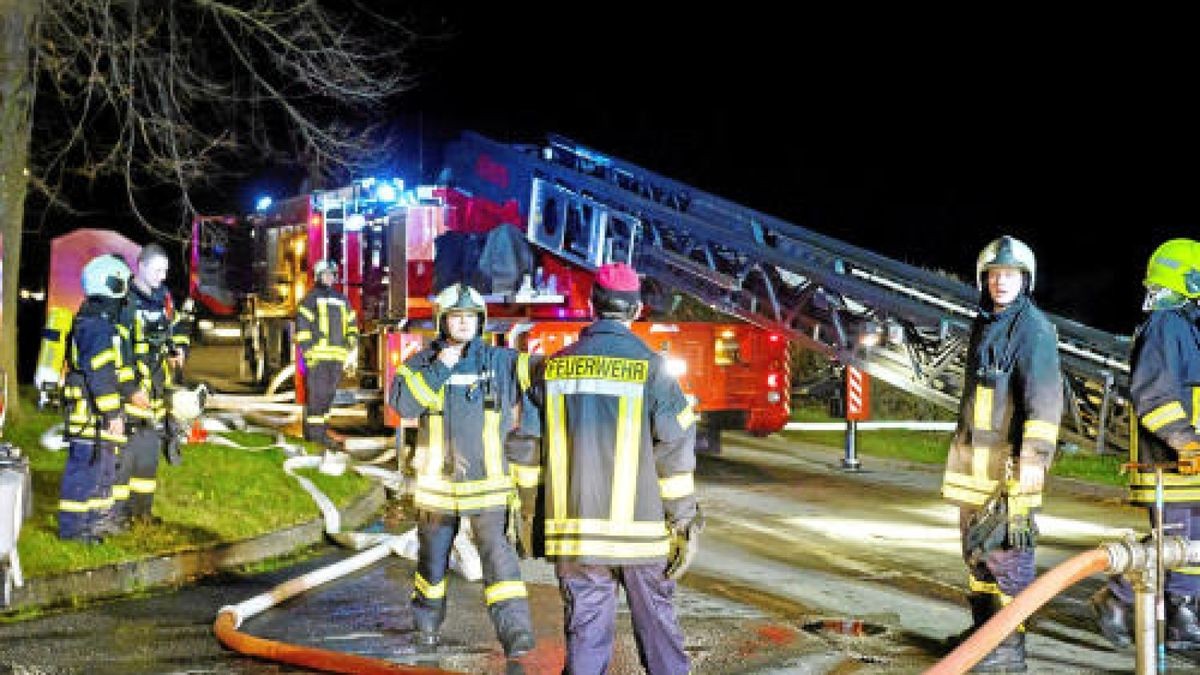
(858, 394)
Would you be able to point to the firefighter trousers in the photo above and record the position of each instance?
(589, 594)
(85, 505)
(503, 590)
(320, 385)
(1004, 571)
(1180, 519)
(138, 471)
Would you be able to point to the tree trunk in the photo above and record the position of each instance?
(16, 110)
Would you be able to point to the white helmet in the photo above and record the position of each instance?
(106, 276)
(324, 266)
(1006, 252)
(458, 298)
(188, 404)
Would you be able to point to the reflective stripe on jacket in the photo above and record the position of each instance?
(99, 377)
(464, 414)
(1165, 391)
(619, 438)
(1011, 406)
(326, 326)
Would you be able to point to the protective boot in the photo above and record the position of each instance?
(1007, 657)
(428, 622)
(1183, 633)
(1112, 617)
(513, 627)
(981, 611)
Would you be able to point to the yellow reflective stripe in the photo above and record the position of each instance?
(120, 492)
(428, 500)
(524, 377)
(607, 549)
(1040, 430)
(1164, 415)
(108, 402)
(467, 488)
(99, 503)
(305, 312)
(504, 590)
(1025, 501)
(302, 335)
(105, 356)
(420, 388)
(437, 433)
(1146, 495)
(606, 528)
(625, 459)
(527, 476)
(141, 348)
(983, 408)
(316, 419)
(493, 462)
(1195, 406)
(349, 323)
(674, 487)
(557, 459)
(124, 374)
(977, 586)
(980, 461)
(142, 485)
(72, 506)
(323, 320)
(686, 417)
(432, 591)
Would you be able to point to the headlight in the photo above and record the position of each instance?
(677, 367)
(205, 324)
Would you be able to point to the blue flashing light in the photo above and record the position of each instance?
(263, 203)
(386, 192)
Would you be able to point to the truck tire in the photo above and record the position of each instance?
(708, 439)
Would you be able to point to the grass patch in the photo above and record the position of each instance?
(929, 447)
(218, 494)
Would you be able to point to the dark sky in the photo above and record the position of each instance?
(909, 135)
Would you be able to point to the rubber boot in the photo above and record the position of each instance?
(1182, 631)
(1112, 617)
(513, 628)
(1007, 657)
(428, 622)
(981, 611)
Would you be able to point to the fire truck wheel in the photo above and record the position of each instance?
(708, 439)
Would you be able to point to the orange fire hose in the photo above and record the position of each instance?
(310, 657)
(1006, 621)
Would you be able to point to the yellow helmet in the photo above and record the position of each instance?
(1175, 265)
(458, 298)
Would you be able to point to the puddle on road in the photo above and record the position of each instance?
(844, 627)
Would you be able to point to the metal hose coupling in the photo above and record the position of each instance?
(1131, 555)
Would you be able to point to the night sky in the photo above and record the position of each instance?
(905, 135)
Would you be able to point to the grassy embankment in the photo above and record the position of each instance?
(219, 494)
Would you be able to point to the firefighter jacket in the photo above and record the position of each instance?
(619, 449)
(100, 373)
(156, 334)
(1165, 391)
(464, 413)
(1011, 405)
(326, 328)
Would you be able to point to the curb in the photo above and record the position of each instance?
(123, 579)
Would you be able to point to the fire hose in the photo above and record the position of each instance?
(1127, 557)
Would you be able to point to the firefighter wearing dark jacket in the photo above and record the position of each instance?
(159, 347)
(1006, 438)
(327, 332)
(464, 393)
(98, 381)
(1164, 390)
(620, 508)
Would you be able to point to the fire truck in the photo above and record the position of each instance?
(251, 272)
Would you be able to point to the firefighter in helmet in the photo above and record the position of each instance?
(619, 502)
(1006, 438)
(1164, 388)
(99, 380)
(327, 332)
(159, 345)
(464, 394)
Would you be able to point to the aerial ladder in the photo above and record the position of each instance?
(900, 323)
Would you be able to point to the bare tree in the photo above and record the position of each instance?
(163, 97)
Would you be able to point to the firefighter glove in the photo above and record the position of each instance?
(1022, 530)
(1189, 459)
(987, 529)
(520, 522)
(173, 449)
(685, 544)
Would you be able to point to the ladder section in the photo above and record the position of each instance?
(903, 324)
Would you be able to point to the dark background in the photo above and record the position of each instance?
(917, 136)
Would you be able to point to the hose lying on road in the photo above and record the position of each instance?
(1026, 603)
(229, 618)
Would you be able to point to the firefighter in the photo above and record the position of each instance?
(99, 379)
(464, 394)
(1164, 376)
(1006, 438)
(619, 504)
(327, 332)
(160, 345)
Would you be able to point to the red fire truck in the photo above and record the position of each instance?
(255, 269)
